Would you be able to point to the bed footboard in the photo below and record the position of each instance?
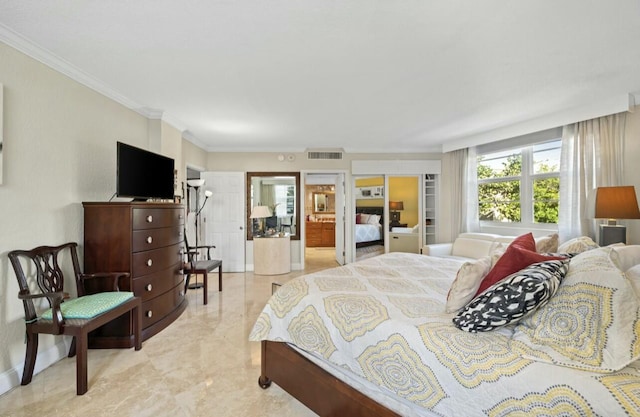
(323, 393)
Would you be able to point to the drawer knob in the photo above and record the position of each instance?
(149, 262)
(149, 219)
(149, 313)
(149, 287)
(149, 239)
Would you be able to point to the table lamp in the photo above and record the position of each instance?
(395, 207)
(260, 213)
(614, 203)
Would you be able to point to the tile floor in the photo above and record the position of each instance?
(201, 365)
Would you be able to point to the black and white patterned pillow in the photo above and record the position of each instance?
(513, 298)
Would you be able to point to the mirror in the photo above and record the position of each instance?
(280, 192)
(322, 203)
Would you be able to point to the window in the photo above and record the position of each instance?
(520, 185)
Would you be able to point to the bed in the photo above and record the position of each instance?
(369, 233)
(372, 339)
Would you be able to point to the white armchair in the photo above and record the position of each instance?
(468, 246)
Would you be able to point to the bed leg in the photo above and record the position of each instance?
(264, 382)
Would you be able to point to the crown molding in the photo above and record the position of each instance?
(603, 107)
(187, 135)
(51, 60)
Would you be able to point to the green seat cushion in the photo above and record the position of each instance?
(90, 306)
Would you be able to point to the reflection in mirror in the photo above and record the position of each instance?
(279, 191)
(322, 203)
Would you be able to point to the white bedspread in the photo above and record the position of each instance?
(383, 320)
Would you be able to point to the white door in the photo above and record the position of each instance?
(340, 221)
(224, 218)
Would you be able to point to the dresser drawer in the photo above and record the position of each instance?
(153, 218)
(158, 307)
(152, 285)
(155, 260)
(156, 238)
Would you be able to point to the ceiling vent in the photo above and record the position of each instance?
(325, 154)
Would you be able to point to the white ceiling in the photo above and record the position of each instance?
(362, 75)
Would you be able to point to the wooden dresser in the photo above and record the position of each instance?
(144, 239)
(320, 234)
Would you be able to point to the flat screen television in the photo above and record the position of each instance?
(143, 174)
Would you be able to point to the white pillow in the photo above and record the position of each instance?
(373, 219)
(547, 244)
(633, 275)
(577, 245)
(624, 257)
(467, 282)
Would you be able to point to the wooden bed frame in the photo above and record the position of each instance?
(372, 210)
(322, 392)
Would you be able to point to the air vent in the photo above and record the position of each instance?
(325, 154)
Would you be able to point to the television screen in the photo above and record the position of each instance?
(143, 174)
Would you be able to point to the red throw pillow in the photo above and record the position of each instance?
(525, 242)
(514, 259)
(358, 219)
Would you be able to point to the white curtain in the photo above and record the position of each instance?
(454, 174)
(470, 182)
(460, 183)
(592, 155)
(267, 195)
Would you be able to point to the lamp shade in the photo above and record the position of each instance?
(195, 182)
(616, 203)
(260, 212)
(208, 193)
(396, 205)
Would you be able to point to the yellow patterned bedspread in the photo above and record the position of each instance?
(383, 319)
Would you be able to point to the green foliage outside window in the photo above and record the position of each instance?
(500, 201)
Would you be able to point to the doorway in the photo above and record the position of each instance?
(324, 202)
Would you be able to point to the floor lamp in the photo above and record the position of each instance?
(196, 184)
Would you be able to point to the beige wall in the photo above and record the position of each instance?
(59, 150)
(265, 161)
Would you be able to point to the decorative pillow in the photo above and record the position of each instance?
(90, 305)
(358, 218)
(513, 298)
(593, 321)
(578, 245)
(514, 259)
(525, 241)
(374, 219)
(547, 243)
(624, 257)
(466, 284)
(364, 218)
(633, 275)
(496, 254)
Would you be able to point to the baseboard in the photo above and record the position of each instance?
(11, 377)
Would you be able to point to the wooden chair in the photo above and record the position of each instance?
(74, 317)
(193, 266)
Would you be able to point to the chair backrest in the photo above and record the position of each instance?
(47, 271)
